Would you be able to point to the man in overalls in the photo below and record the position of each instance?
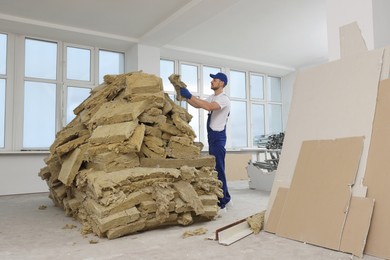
(218, 106)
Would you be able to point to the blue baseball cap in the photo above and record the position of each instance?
(221, 76)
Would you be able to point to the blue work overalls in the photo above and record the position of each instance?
(217, 142)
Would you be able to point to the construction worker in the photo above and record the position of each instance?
(218, 106)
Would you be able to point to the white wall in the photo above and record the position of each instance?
(344, 12)
(381, 9)
(19, 173)
(142, 57)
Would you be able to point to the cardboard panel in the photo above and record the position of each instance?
(316, 205)
(356, 227)
(377, 177)
(351, 40)
(338, 100)
(334, 100)
(273, 220)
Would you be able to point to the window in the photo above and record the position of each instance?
(3, 54)
(256, 83)
(2, 112)
(40, 59)
(274, 89)
(237, 84)
(75, 96)
(167, 68)
(44, 86)
(238, 123)
(275, 118)
(39, 114)
(78, 80)
(257, 124)
(189, 75)
(238, 110)
(79, 69)
(39, 117)
(110, 62)
(194, 123)
(78, 64)
(256, 108)
(275, 106)
(3, 71)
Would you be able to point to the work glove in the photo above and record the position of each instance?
(185, 93)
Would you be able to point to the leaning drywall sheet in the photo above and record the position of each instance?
(273, 220)
(334, 100)
(316, 205)
(356, 226)
(377, 177)
(351, 41)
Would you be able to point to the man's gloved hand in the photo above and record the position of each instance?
(185, 93)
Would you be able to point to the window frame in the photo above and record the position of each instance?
(256, 101)
(72, 82)
(239, 99)
(20, 85)
(96, 64)
(6, 78)
(248, 99)
(15, 78)
(65, 63)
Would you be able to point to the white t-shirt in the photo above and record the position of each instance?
(219, 117)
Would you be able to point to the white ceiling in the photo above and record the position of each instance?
(272, 36)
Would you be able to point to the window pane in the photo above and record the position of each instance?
(39, 114)
(78, 64)
(2, 112)
(237, 84)
(189, 75)
(3, 53)
(167, 68)
(257, 122)
(41, 59)
(204, 137)
(257, 86)
(274, 89)
(275, 119)
(76, 95)
(110, 63)
(238, 122)
(194, 121)
(207, 79)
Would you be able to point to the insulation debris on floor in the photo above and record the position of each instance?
(239, 229)
(128, 161)
(256, 222)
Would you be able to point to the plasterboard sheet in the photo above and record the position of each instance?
(351, 40)
(316, 204)
(334, 100)
(377, 177)
(356, 227)
(273, 219)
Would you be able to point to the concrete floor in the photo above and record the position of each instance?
(26, 232)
